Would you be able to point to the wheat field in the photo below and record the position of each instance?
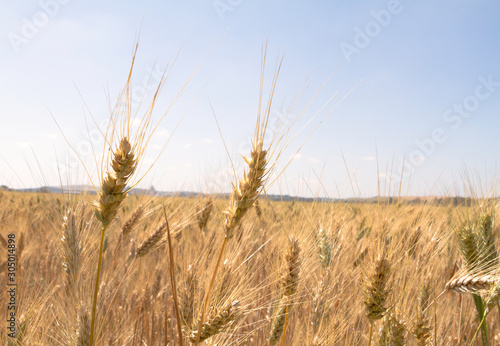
(340, 247)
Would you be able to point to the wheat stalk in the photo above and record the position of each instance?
(111, 197)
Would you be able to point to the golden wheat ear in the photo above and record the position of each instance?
(83, 328)
(244, 196)
(470, 283)
(289, 284)
(422, 328)
(203, 216)
(217, 324)
(376, 291)
(393, 331)
(153, 241)
(113, 185)
(133, 220)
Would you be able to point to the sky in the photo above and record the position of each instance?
(412, 101)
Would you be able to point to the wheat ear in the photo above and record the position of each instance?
(217, 324)
(127, 228)
(320, 300)
(290, 279)
(133, 220)
(246, 193)
(470, 283)
(204, 215)
(153, 241)
(289, 284)
(393, 331)
(422, 329)
(187, 296)
(475, 240)
(376, 292)
(113, 185)
(83, 331)
(279, 322)
(71, 246)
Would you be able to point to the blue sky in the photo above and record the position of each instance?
(426, 99)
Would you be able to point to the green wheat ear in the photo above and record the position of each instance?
(488, 253)
(324, 249)
(468, 245)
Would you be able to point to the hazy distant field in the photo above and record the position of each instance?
(327, 308)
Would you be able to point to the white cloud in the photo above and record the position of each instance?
(313, 160)
(162, 133)
(368, 158)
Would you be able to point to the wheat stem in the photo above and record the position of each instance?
(96, 289)
(371, 333)
(172, 280)
(207, 296)
(480, 313)
(284, 327)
